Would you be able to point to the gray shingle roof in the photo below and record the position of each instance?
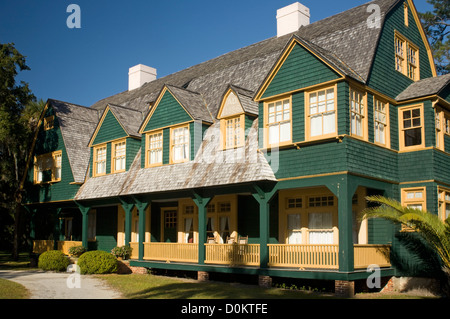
(344, 39)
(77, 123)
(424, 87)
(212, 166)
(193, 102)
(129, 119)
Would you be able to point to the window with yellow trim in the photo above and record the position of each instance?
(278, 122)
(381, 122)
(48, 167)
(446, 123)
(49, 122)
(438, 125)
(99, 160)
(444, 204)
(411, 127)
(154, 148)
(234, 131)
(179, 144)
(406, 57)
(321, 119)
(118, 156)
(413, 198)
(358, 118)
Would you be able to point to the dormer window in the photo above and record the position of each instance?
(118, 159)
(100, 160)
(48, 167)
(279, 122)
(49, 122)
(234, 131)
(232, 121)
(179, 140)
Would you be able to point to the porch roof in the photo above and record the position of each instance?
(212, 166)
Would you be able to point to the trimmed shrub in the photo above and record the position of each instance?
(97, 262)
(53, 260)
(122, 252)
(77, 251)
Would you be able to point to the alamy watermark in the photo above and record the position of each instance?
(74, 280)
(374, 20)
(374, 279)
(74, 19)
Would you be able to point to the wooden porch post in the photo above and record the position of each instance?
(141, 206)
(345, 190)
(84, 224)
(57, 231)
(263, 199)
(128, 208)
(201, 203)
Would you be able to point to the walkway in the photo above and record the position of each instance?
(53, 285)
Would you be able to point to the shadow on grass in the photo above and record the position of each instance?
(7, 263)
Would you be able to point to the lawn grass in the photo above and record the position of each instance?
(6, 262)
(12, 290)
(137, 286)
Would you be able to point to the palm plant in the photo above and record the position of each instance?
(429, 227)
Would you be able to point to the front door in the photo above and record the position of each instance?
(169, 224)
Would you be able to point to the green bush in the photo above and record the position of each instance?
(122, 252)
(77, 251)
(53, 260)
(97, 262)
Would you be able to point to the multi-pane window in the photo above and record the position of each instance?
(233, 132)
(180, 144)
(380, 121)
(119, 152)
(412, 126)
(100, 160)
(399, 54)
(279, 122)
(406, 57)
(412, 63)
(446, 123)
(413, 198)
(444, 204)
(322, 113)
(49, 122)
(48, 167)
(439, 134)
(154, 148)
(294, 202)
(357, 113)
(320, 201)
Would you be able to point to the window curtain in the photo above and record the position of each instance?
(188, 230)
(294, 229)
(320, 228)
(224, 228)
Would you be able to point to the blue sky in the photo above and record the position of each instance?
(87, 64)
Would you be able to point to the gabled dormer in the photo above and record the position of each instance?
(236, 114)
(403, 54)
(116, 140)
(59, 153)
(173, 128)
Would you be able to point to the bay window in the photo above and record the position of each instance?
(411, 127)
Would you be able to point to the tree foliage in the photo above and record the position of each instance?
(431, 228)
(437, 28)
(19, 112)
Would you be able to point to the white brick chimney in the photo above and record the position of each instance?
(291, 18)
(140, 74)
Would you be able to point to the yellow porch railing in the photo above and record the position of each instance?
(366, 255)
(304, 256)
(171, 252)
(134, 250)
(40, 246)
(232, 254)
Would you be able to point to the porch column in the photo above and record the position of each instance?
(57, 231)
(345, 190)
(141, 206)
(128, 208)
(263, 199)
(84, 224)
(201, 203)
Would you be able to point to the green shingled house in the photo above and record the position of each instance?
(256, 162)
